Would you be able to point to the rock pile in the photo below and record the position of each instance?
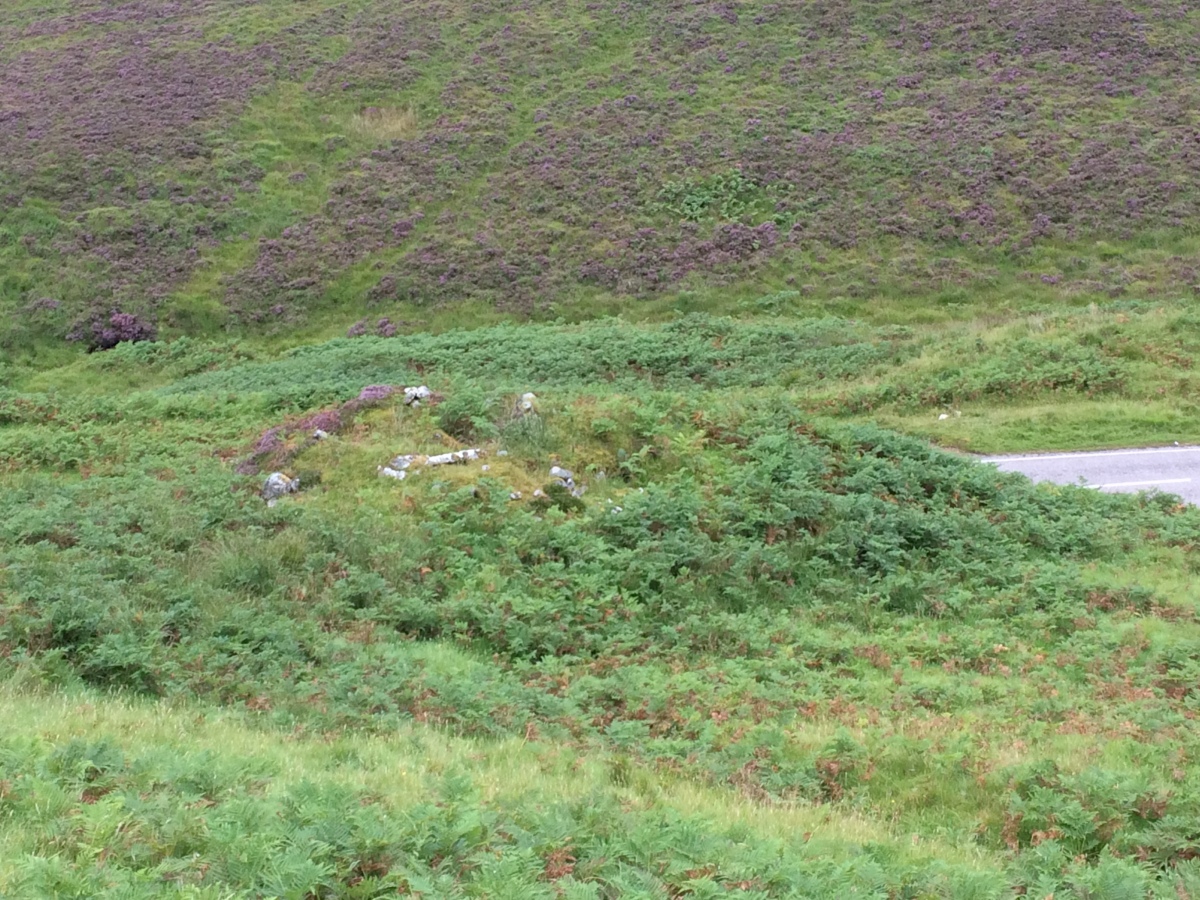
(400, 467)
(414, 395)
(278, 485)
(566, 478)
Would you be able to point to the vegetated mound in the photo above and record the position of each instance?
(220, 162)
(792, 610)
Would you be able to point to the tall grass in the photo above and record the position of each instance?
(384, 123)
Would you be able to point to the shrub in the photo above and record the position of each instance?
(104, 333)
(465, 414)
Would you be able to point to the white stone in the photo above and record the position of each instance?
(414, 395)
(456, 456)
(278, 485)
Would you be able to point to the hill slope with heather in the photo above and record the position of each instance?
(704, 611)
(280, 166)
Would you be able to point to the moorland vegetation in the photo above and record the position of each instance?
(767, 269)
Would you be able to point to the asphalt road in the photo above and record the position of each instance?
(1173, 470)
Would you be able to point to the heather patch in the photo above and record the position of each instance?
(965, 143)
(83, 118)
(120, 174)
(523, 159)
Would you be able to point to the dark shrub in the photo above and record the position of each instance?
(119, 327)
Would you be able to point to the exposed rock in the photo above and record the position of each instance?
(414, 395)
(278, 485)
(457, 456)
(402, 466)
(566, 478)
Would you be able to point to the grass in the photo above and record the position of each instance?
(986, 428)
(762, 615)
(753, 262)
(387, 124)
(403, 769)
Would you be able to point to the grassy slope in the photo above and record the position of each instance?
(1119, 374)
(957, 683)
(439, 804)
(806, 659)
(918, 163)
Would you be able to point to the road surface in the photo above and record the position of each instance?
(1173, 470)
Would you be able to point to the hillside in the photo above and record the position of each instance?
(287, 166)
(754, 275)
(782, 655)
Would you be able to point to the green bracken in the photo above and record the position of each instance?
(960, 683)
(772, 272)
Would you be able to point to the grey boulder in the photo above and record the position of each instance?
(278, 485)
